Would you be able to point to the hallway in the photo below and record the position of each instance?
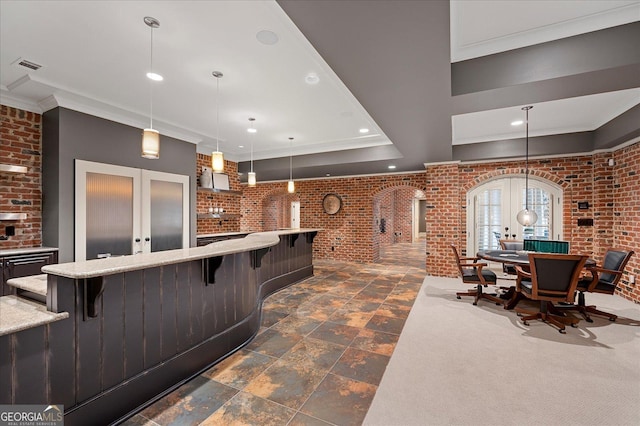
(321, 352)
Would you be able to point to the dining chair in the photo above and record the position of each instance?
(603, 279)
(473, 272)
(552, 278)
(510, 245)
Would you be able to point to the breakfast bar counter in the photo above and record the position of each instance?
(130, 329)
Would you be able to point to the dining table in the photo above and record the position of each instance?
(513, 257)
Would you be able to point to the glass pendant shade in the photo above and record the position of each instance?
(291, 187)
(217, 162)
(150, 144)
(251, 178)
(527, 217)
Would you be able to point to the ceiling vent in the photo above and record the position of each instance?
(29, 64)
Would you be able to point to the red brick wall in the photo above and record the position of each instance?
(626, 214)
(612, 192)
(347, 235)
(229, 202)
(20, 145)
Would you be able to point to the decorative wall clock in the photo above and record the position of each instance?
(331, 203)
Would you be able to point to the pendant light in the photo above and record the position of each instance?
(527, 217)
(217, 159)
(151, 137)
(251, 176)
(291, 187)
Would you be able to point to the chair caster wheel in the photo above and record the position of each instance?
(458, 297)
(574, 325)
(525, 322)
(475, 303)
(561, 331)
(588, 319)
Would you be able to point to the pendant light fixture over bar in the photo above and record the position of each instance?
(251, 177)
(151, 137)
(527, 217)
(291, 187)
(217, 159)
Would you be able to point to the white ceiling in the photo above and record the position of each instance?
(94, 57)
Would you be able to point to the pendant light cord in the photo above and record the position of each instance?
(217, 114)
(526, 176)
(290, 158)
(151, 82)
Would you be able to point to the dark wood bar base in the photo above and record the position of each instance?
(141, 334)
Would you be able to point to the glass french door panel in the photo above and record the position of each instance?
(541, 202)
(109, 215)
(489, 219)
(166, 219)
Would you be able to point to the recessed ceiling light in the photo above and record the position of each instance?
(252, 130)
(312, 78)
(327, 174)
(364, 130)
(155, 77)
(391, 166)
(517, 122)
(240, 146)
(267, 37)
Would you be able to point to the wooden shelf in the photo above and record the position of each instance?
(218, 216)
(219, 191)
(9, 168)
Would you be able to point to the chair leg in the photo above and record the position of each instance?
(546, 314)
(479, 294)
(592, 310)
(586, 310)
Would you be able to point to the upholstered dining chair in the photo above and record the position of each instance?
(510, 245)
(473, 272)
(553, 278)
(603, 279)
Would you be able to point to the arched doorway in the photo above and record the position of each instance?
(492, 208)
(277, 211)
(395, 212)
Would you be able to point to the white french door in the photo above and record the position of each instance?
(493, 206)
(123, 210)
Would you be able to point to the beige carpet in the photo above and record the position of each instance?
(459, 364)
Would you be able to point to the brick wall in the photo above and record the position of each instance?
(227, 201)
(626, 214)
(348, 235)
(613, 194)
(20, 145)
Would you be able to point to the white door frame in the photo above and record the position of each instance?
(511, 186)
(295, 214)
(141, 203)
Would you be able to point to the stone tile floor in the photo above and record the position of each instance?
(322, 349)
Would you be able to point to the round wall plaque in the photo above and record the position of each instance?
(331, 203)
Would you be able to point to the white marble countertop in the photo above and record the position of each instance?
(25, 250)
(223, 234)
(115, 265)
(17, 314)
(33, 283)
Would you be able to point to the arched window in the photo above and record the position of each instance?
(492, 208)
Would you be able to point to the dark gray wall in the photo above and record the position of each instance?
(69, 135)
(621, 129)
(598, 50)
(510, 148)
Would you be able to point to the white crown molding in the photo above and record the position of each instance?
(568, 28)
(10, 100)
